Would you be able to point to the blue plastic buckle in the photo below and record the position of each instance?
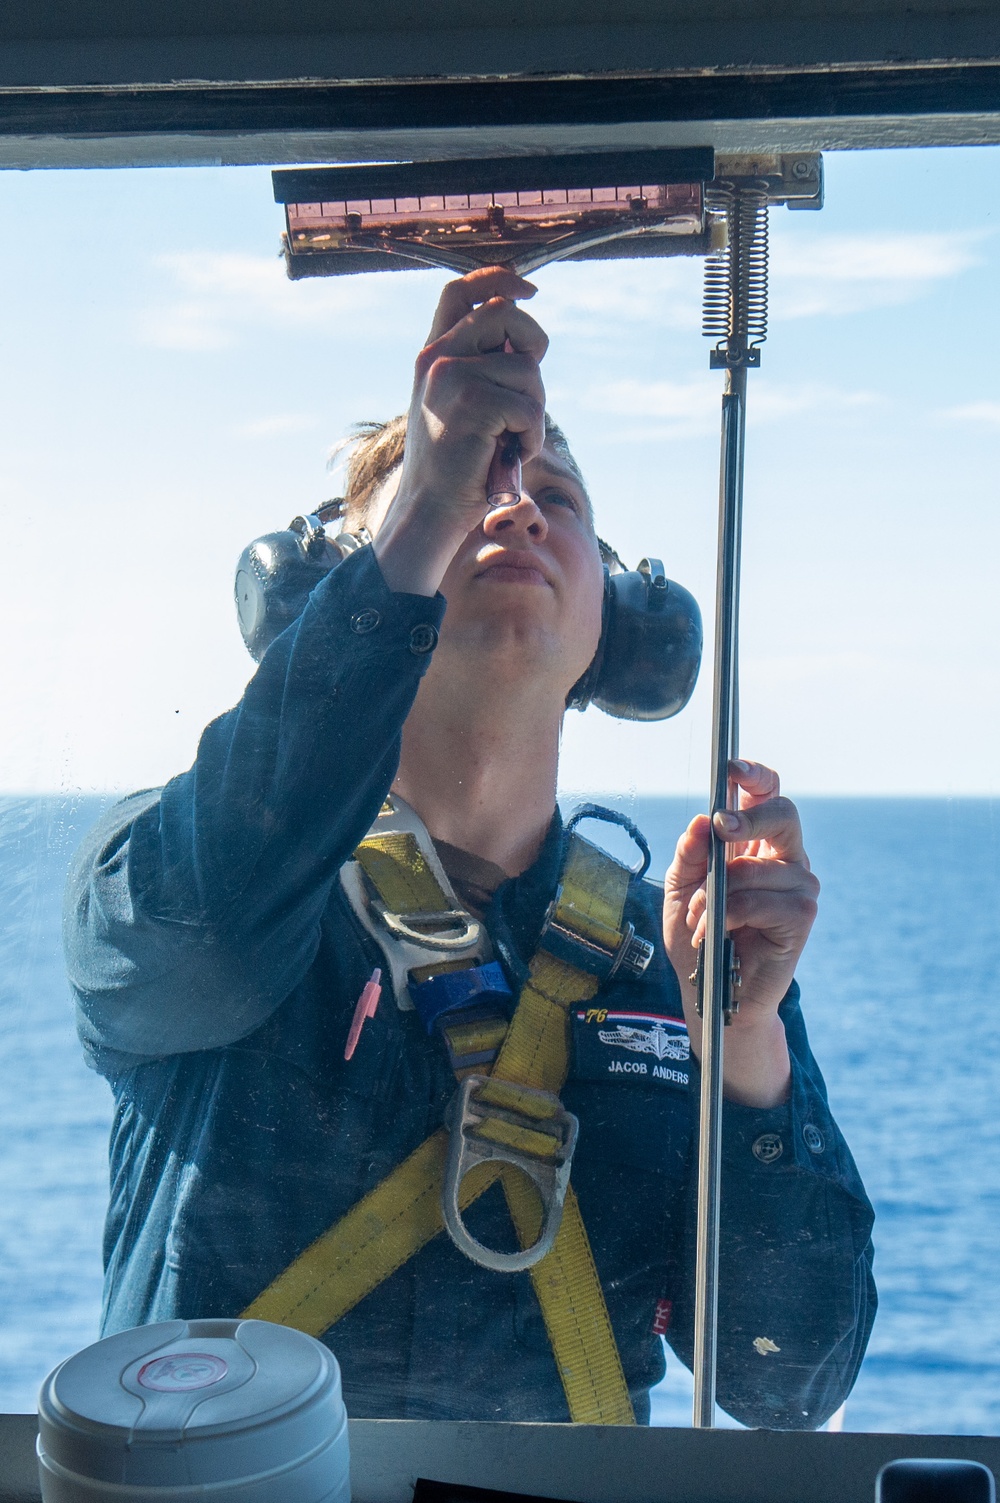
(453, 990)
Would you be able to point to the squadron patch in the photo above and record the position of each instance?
(646, 1048)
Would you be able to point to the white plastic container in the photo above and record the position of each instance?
(199, 1409)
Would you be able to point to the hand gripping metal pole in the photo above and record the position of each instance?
(736, 313)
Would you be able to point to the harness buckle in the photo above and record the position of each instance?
(625, 951)
(465, 932)
(497, 1120)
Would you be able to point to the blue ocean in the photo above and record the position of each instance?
(901, 986)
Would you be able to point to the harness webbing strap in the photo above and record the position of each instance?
(401, 873)
(402, 1213)
(375, 1237)
(535, 1051)
(576, 1317)
(592, 893)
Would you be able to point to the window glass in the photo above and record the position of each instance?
(171, 396)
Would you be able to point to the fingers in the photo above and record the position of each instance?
(460, 297)
(775, 821)
(755, 781)
(748, 876)
(478, 375)
(690, 861)
(495, 326)
(512, 372)
(762, 873)
(487, 396)
(783, 918)
(495, 345)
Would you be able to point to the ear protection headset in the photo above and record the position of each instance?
(646, 663)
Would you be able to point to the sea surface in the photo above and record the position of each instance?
(901, 985)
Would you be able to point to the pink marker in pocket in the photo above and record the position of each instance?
(367, 1003)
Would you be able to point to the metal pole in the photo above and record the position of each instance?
(717, 955)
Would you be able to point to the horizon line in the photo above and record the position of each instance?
(611, 794)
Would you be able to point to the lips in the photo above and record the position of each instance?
(513, 568)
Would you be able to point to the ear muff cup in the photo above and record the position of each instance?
(276, 575)
(647, 661)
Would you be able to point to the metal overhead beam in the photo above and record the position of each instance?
(65, 43)
(89, 83)
(806, 110)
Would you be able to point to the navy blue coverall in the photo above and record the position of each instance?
(216, 962)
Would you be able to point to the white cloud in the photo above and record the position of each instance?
(234, 273)
(273, 427)
(814, 273)
(184, 326)
(975, 412)
(773, 402)
(690, 408)
(674, 401)
(213, 298)
(598, 297)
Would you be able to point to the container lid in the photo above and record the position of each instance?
(191, 1402)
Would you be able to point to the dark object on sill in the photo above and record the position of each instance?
(425, 1491)
(932, 1481)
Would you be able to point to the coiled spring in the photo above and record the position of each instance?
(734, 311)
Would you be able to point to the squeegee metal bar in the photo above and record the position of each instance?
(530, 260)
(689, 164)
(717, 977)
(559, 250)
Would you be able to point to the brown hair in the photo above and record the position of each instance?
(376, 451)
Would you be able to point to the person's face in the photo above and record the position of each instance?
(525, 589)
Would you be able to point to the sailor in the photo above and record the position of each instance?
(221, 930)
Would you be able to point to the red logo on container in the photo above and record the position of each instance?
(180, 1372)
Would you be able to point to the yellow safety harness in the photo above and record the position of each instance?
(511, 1127)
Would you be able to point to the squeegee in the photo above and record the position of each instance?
(521, 212)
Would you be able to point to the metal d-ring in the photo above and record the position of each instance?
(465, 1150)
(614, 817)
(401, 924)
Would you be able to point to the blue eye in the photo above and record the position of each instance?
(561, 498)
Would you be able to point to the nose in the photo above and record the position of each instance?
(522, 519)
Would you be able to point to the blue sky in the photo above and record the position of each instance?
(169, 395)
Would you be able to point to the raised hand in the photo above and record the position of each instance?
(477, 377)
(771, 908)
